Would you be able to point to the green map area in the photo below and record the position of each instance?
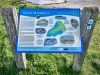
(58, 28)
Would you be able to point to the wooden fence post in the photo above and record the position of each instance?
(9, 15)
(87, 13)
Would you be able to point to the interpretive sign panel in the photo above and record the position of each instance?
(49, 30)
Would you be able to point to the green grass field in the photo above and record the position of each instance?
(47, 64)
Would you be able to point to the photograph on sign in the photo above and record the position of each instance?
(47, 31)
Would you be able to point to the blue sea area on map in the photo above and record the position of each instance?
(56, 33)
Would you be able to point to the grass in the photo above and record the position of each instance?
(47, 64)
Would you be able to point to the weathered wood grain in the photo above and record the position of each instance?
(9, 15)
(87, 13)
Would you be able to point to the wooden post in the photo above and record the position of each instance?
(9, 15)
(87, 13)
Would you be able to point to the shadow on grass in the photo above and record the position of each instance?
(2, 23)
(64, 68)
(8, 70)
(96, 67)
(11, 69)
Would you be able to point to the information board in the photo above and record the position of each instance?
(49, 31)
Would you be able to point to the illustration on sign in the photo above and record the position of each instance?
(43, 30)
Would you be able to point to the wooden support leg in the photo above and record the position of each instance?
(87, 14)
(9, 15)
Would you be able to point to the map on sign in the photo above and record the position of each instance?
(58, 28)
(43, 30)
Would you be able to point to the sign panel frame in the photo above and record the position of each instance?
(69, 29)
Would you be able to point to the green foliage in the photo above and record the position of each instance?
(28, 6)
(47, 64)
